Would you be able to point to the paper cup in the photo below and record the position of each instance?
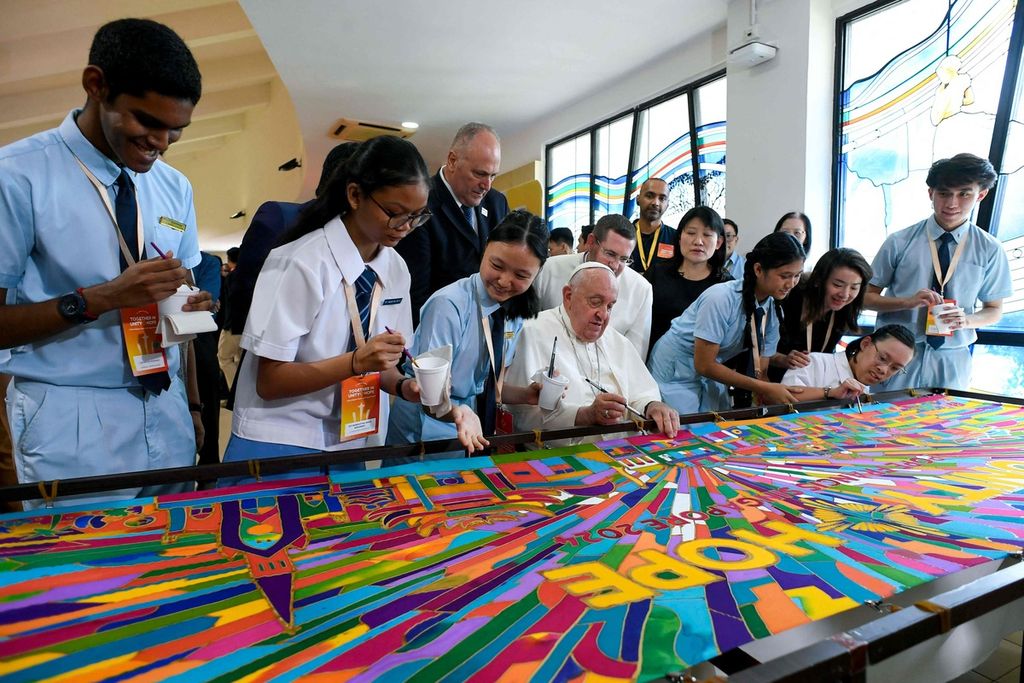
(551, 389)
(938, 326)
(431, 375)
(174, 302)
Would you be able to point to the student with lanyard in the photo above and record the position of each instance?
(821, 309)
(849, 372)
(480, 318)
(330, 314)
(86, 210)
(698, 263)
(687, 362)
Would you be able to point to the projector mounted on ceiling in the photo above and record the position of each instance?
(361, 131)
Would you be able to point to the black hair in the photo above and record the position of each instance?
(803, 219)
(562, 236)
(335, 158)
(585, 232)
(384, 161)
(613, 222)
(897, 332)
(232, 254)
(962, 169)
(729, 221)
(523, 228)
(814, 289)
(772, 251)
(710, 218)
(139, 56)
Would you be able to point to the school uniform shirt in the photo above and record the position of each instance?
(452, 316)
(735, 265)
(75, 409)
(717, 317)
(611, 361)
(631, 315)
(825, 370)
(903, 266)
(300, 313)
(793, 332)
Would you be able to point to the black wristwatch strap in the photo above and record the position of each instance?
(398, 387)
(195, 407)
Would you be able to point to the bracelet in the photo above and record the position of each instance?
(398, 387)
(827, 389)
(353, 359)
(195, 407)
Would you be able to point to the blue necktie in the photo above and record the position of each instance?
(467, 211)
(127, 223)
(945, 240)
(124, 211)
(364, 292)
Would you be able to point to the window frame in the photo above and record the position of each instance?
(688, 89)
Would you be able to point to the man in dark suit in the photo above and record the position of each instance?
(464, 209)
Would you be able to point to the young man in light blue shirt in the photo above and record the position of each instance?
(68, 198)
(974, 270)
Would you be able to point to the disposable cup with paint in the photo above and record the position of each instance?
(175, 302)
(551, 389)
(432, 376)
(936, 325)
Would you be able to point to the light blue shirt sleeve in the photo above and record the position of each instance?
(714, 317)
(771, 331)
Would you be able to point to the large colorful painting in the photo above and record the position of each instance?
(618, 562)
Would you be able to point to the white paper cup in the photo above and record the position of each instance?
(431, 374)
(551, 389)
(938, 310)
(174, 302)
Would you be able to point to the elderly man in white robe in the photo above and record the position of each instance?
(611, 243)
(588, 349)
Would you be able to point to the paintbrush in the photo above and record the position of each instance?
(605, 391)
(405, 351)
(551, 366)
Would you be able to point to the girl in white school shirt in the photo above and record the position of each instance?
(302, 338)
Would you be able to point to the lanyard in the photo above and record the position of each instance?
(646, 262)
(828, 333)
(353, 311)
(499, 375)
(101, 190)
(952, 263)
(754, 346)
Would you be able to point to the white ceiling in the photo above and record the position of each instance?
(442, 63)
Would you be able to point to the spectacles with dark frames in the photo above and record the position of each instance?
(884, 360)
(397, 220)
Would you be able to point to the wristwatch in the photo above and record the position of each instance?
(73, 308)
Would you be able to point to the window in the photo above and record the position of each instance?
(922, 80)
(677, 137)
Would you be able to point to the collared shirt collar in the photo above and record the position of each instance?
(487, 304)
(105, 170)
(346, 255)
(450, 190)
(935, 230)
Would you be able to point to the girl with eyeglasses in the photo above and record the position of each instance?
(847, 373)
(729, 319)
(322, 309)
(480, 318)
(821, 310)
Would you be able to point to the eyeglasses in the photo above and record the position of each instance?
(397, 220)
(612, 256)
(730, 238)
(885, 361)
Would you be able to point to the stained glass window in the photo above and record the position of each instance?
(661, 138)
(569, 194)
(921, 81)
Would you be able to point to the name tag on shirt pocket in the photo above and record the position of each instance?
(172, 224)
(666, 250)
(391, 302)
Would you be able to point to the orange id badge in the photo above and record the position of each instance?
(360, 406)
(142, 341)
(503, 425)
(666, 250)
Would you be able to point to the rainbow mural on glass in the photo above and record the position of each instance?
(619, 561)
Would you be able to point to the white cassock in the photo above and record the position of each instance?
(631, 315)
(611, 361)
